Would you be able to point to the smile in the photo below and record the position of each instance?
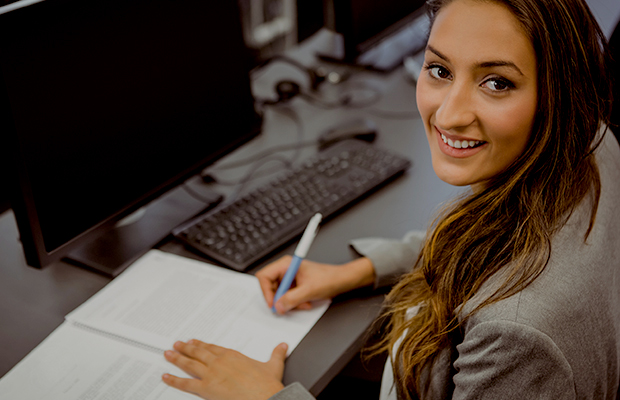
(458, 148)
(460, 144)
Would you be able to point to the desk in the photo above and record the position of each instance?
(34, 302)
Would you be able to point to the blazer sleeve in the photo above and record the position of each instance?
(294, 391)
(508, 360)
(390, 258)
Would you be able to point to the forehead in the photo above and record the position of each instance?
(475, 31)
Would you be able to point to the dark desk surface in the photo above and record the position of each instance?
(34, 302)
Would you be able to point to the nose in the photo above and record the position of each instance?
(456, 109)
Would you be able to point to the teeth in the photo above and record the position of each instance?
(458, 144)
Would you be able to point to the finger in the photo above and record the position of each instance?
(200, 353)
(278, 355)
(212, 348)
(276, 362)
(267, 287)
(184, 384)
(304, 306)
(275, 270)
(270, 277)
(191, 366)
(293, 298)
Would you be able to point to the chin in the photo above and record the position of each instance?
(455, 181)
(454, 176)
(476, 184)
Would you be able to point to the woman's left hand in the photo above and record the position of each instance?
(222, 374)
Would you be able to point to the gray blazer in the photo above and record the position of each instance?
(557, 339)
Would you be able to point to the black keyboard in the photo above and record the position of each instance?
(247, 230)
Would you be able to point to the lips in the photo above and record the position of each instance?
(458, 148)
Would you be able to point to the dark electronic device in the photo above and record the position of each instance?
(108, 104)
(376, 34)
(246, 231)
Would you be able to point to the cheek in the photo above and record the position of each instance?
(513, 125)
(424, 100)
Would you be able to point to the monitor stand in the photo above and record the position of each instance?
(133, 236)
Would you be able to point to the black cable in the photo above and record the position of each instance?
(250, 175)
(267, 152)
(195, 194)
(268, 155)
(263, 154)
(253, 172)
(346, 100)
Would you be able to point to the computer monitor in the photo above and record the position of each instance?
(108, 104)
(376, 34)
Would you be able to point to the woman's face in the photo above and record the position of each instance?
(477, 91)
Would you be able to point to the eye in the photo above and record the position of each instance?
(438, 72)
(498, 84)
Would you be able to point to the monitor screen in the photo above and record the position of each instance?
(106, 104)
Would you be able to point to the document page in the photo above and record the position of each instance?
(163, 297)
(74, 364)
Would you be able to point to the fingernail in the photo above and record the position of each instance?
(168, 353)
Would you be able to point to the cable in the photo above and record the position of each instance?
(195, 194)
(283, 147)
(264, 153)
(387, 114)
(249, 176)
(267, 155)
(316, 78)
(253, 172)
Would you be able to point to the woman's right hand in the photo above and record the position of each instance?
(314, 281)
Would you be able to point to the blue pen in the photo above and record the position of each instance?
(300, 254)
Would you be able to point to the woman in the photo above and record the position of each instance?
(515, 292)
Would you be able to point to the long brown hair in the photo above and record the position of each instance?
(509, 225)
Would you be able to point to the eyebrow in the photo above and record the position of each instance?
(486, 64)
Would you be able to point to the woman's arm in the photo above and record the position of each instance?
(391, 258)
(383, 261)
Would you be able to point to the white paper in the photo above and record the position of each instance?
(163, 298)
(75, 364)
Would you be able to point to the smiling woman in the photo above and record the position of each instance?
(490, 276)
(513, 293)
(477, 88)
